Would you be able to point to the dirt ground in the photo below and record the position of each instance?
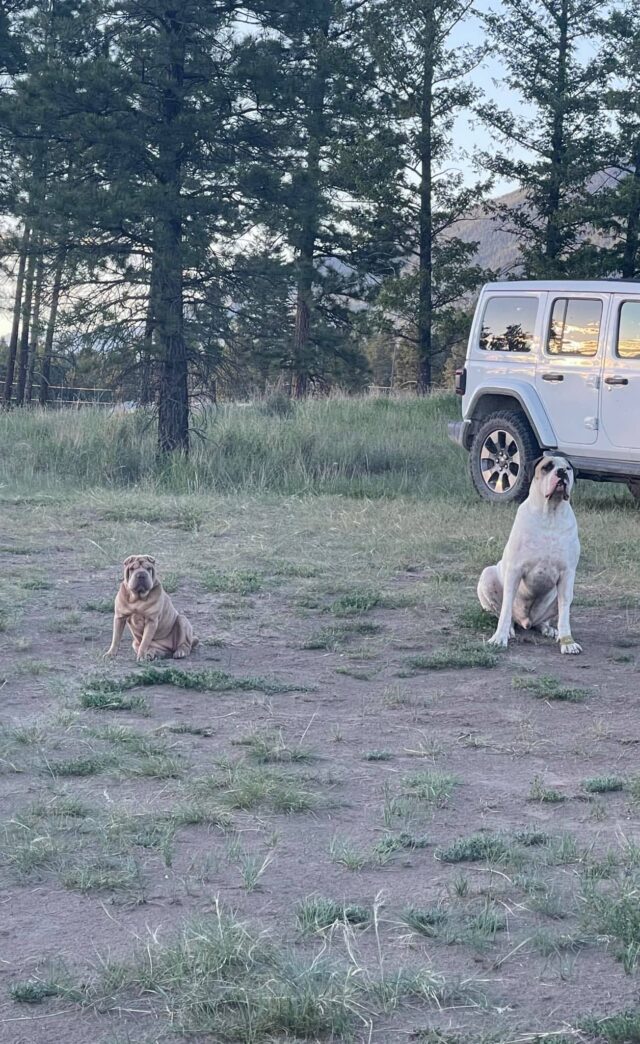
(381, 744)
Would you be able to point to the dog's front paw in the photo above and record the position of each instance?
(148, 655)
(568, 647)
(500, 640)
(180, 654)
(110, 654)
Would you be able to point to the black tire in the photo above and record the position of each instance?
(501, 451)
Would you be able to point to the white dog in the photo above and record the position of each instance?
(534, 579)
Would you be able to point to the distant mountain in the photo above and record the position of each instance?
(499, 249)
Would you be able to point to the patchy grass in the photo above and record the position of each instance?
(355, 603)
(475, 849)
(90, 765)
(245, 787)
(270, 748)
(106, 873)
(238, 581)
(547, 795)
(100, 605)
(474, 618)
(317, 913)
(218, 977)
(547, 687)
(458, 656)
(623, 1028)
(614, 913)
(112, 699)
(603, 784)
(35, 990)
(433, 787)
(203, 680)
(201, 788)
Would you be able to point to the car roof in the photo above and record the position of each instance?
(600, 286)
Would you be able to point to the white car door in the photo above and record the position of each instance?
(568, 368)
(620, 395)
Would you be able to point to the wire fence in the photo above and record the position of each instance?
(61, 396)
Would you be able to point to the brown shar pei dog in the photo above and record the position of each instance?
(158, 629)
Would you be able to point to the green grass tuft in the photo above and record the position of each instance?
(474, 849)
(355, 603)
(236, 582)
(456, 657)
(113, 700)
(603, 784)
(316, 913)
(548, 688)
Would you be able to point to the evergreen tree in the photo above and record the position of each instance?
(561, 144)
(319, 109)
(615, 208)
(424, 85)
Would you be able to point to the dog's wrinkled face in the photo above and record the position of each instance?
(554, 477)
(140, 574)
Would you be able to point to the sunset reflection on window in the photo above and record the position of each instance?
(574, 327)
(628, 346)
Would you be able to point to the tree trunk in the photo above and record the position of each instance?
(173, 406)
(146, 384)
(45, 376)
(553, 234)
(425, 293)
(632, 234)
(310, 210)
(17, 305)
(35, 329)
(23, 354)
(302, 332)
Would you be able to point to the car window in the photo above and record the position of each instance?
(508, 324)
(575, 326)
(628, 346)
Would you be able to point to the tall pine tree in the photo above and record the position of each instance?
(424, 84)
(555, 152)
(616, 207)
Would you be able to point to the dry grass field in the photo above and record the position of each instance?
(344, 818)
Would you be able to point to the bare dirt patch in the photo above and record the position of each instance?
(353, 743)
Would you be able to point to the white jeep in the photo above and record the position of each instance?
(551, 365)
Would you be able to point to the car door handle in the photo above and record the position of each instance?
(553, 377)
(616, 380)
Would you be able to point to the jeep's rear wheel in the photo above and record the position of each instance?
(500, 452)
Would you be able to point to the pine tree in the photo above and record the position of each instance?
(319, 108)
(424, 85)
(615, 208)
(554, 153)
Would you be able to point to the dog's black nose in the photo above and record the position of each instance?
(562, 473)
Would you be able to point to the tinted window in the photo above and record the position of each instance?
(628, 346)
(575, 326)
(508, 324)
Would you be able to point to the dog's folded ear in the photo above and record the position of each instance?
(530, 468)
